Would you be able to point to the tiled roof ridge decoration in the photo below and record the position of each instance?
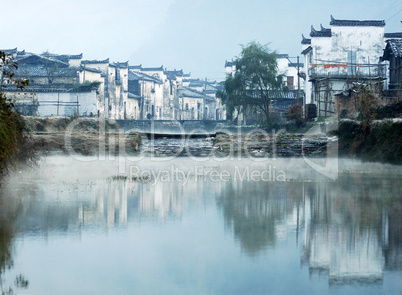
(105, 61)
(121, 64)
(321, 33)
(62, 56)
(396, 47)
(393, 35)
(10, 51)
(229, 63)
(153, 69)
(324, 29)
(175, 72)
(365, 23)
(305, 40)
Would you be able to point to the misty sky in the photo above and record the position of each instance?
(196, 36)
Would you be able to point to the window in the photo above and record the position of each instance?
(290, 82)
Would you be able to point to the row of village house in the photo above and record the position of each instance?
(66, 85)
(335, 60)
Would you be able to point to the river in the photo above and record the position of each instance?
(200, 226)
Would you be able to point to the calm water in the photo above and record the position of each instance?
(75, 227)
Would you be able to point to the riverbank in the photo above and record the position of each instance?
(275, 145)
(11, 134)
(85, 136)
(380, 141)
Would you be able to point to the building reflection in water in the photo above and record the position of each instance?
(348, 230)
(349, 233)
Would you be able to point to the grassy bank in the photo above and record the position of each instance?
(379, 141)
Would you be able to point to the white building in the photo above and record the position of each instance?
(334, 57)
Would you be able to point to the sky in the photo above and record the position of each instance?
(197, 36)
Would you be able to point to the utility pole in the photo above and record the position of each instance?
(298, 82)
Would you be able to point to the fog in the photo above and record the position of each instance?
(196, 36)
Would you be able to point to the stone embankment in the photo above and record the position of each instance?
(90, 136)
(86, 136)
(278, 145)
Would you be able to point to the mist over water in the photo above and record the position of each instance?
(202, 225)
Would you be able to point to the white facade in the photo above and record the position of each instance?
(349, 50)
(58, 103)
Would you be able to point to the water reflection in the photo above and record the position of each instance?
(10, 208)
(348, 231)
(260, 213)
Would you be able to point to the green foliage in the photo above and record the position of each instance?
(87, 86)
(380, 141)
(255, 83)
(11, 124)
(393, 110)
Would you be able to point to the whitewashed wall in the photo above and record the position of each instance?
(87, 103)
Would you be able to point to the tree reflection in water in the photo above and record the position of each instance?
(255, 210)
(10, 207)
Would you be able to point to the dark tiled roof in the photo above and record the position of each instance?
(186, 92)
(121, 64)
(394, 47)
(62, 57)
(88, 62)
(31, 89)
(37, 60)
(9, 51)
(359, 23)
(322, 33)
(139, 67)
(305, 40)
(229, 64)
(152, 69)
(175, 72)
(282, 55)
(41, 71)
(307, 50)
(393, 35)
(83, 68)
(136, 76)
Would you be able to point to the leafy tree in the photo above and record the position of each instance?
(11, 124)
(256, 83)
